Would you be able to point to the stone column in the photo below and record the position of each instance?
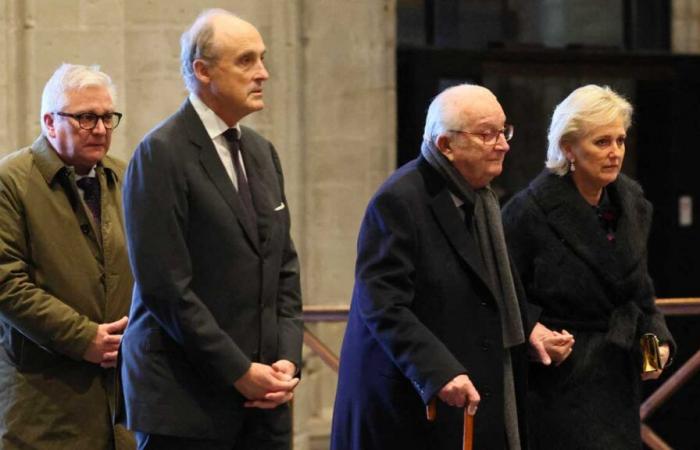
(330, 111)
(685, 26)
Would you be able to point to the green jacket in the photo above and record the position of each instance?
(60, 276)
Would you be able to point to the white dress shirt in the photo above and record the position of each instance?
(215, 129)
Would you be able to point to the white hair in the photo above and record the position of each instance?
(71, 77)
(446, 109)
(586, 108)
(197, 42)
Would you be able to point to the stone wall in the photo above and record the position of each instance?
(330, 110)
(685, 26)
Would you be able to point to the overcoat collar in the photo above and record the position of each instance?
(460, 237)
(214, 168)
(576, 224)
(50, 164)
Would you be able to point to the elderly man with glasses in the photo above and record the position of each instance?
(65, 284)
(437, 315)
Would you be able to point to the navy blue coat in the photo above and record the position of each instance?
(421, 314)
(209, 298)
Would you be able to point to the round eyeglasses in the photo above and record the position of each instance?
(88, 121)
(491, 137)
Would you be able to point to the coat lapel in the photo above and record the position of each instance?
(574, 221)
(212, 165)
(456, 231)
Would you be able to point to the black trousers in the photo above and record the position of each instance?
(260, 430)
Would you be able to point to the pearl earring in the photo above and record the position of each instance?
(572, 166)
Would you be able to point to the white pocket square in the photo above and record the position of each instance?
(280, 207)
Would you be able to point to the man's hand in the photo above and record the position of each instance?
(267, 387)
(546, 344)
(105, 345)
(285, 367)
(460, 392)
(664, 353)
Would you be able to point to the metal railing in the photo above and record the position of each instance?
(669, 306)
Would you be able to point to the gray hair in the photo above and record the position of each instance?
(197, 42)
(444, 112)
(587, 107)
(71, 77)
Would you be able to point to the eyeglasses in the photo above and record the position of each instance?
(88, 121)
(491, 137)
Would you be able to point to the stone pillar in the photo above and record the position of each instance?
(330, 111)
(685, 26)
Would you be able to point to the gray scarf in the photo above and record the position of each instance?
(489, 232)
(494, 253)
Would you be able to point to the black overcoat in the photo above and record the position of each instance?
(600, 291)
(421, 314)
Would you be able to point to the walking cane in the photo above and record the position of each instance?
(468, 432)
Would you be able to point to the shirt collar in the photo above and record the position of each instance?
(214, 125)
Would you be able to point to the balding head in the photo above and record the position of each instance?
(222, 63)
(467, 124)
(202, 39)
(455, 108)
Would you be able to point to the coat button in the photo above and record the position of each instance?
(85, 228)
(484, 304)
(485, 345)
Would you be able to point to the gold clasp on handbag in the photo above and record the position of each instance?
(651, 359)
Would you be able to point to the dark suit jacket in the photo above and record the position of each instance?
(208, 298)
(421, 314)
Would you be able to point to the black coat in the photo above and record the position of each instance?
(209, 297)
(421, 314)
(598, 290)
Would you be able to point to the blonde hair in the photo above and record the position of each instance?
(587, 107)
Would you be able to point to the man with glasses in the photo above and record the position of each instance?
(437, 316)
(65, 282)
(211, 356)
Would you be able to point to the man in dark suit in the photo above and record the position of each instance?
(436, 311)
(210, 357)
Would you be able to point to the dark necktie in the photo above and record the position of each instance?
(91, 194)
(231, 136)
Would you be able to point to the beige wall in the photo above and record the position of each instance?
(685, 26)
(330, 112)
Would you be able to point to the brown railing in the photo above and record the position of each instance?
(669, 306)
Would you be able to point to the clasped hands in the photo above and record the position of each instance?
(546, 346)
(268, 386)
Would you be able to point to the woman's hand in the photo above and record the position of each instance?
(547, 345)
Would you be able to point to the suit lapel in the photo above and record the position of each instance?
(212, 165)
(260, 193)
